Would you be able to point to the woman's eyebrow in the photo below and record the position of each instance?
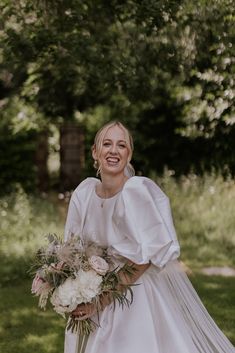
(117, 141)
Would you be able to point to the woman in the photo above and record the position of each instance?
(131, 216)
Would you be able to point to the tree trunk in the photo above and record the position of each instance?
(41, 158)
(72, 156)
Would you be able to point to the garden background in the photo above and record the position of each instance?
(165, 69)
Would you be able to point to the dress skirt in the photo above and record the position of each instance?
(166, 316)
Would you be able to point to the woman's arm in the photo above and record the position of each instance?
(138, 270)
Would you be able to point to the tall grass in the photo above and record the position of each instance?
(204, 217)
(25, 220)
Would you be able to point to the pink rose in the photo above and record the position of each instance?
(98, 264)
(37, 284)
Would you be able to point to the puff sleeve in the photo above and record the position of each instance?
(142, 218)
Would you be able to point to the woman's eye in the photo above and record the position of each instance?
(106, 144)
(122, 146)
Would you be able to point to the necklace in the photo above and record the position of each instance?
(106, 197)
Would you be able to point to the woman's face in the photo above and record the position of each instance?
(114, 153)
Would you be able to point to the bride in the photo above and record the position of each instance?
(131, 215)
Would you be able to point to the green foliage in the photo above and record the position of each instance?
(19, 124)
(208, 91)
(165, 68)
(16, 160)
(176, 87)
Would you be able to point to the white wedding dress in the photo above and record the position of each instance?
(166, 315)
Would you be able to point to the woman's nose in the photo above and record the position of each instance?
(113, 149)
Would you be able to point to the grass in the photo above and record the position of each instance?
(203, 210)
(23, 327)
(218, 295)
(25, 220)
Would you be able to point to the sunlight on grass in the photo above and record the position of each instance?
(24, 222)
(209, 285)
(44, 343)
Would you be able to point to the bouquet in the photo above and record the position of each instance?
(77, 272)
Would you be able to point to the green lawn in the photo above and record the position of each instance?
(25, 328)
(218, 295)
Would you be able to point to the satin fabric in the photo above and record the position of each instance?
(166, 315)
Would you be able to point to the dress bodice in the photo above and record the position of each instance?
(98, 224)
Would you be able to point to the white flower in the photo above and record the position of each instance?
(88, 283)
(98, 264)
(62, 298)
(72, 292)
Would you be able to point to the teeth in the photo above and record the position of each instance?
(112, 160)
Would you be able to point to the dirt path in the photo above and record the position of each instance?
(219, 271)
(224, 271)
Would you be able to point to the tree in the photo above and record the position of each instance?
(165, 67)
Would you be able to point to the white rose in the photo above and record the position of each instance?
(66, 297)
(98, 264)
(57, 304)
(72, 292)
(88, 284)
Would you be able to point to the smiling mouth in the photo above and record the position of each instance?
(112, 160)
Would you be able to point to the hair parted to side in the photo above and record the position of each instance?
(98, 142)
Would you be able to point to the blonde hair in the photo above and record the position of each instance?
(98, 143)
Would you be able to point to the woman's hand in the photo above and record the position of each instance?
(84, 311)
